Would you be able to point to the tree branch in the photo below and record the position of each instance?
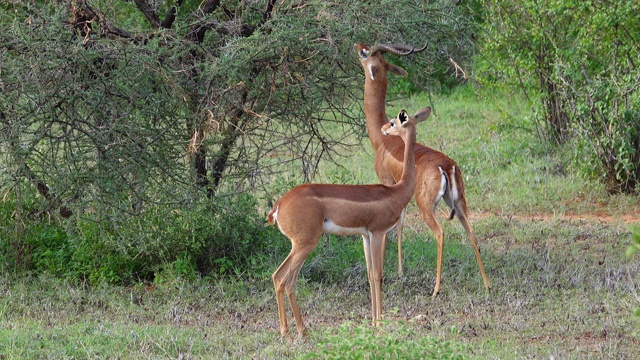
(171, 15)
(210, 6)
(149, 12)
(268, 13)
(197, 31)
(26, 171)
(84, 16)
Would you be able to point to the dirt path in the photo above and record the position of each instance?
(599, 216)
(631, 217)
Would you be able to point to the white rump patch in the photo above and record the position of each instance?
(454, 186)
(275, 219)
(443, 184)
(332, 228)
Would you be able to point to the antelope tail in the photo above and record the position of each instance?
(272, 218)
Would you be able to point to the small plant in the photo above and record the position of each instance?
(633, 249)
(635, 246)
(394, 340)
(183, 267)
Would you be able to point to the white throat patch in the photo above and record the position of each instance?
(371, 71)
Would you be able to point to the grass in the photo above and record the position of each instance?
(552, 242)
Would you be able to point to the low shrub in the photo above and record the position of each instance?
(206, 238)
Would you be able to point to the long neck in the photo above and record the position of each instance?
(409, 169)
(375, 93)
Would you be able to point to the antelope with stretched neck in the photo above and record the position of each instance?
(437, 176)
(308, 210)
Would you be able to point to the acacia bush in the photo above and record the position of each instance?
(132, 132)
(580, 58)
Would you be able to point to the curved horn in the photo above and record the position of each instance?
(397, 49)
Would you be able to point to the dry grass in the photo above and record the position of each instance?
(560, 288)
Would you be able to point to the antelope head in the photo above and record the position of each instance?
(400, 121)
(374, 63)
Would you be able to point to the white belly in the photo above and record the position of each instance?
(330, 227)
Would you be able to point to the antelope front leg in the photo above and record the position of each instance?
(399, 227)
(366, 244)
(377, 261)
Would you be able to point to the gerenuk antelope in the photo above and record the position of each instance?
(308, 210)
(437, 176)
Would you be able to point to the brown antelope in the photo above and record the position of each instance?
(308, 210)
(437, 176)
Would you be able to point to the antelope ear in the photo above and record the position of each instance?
(397, 70)
(403, 117)
(422, 114)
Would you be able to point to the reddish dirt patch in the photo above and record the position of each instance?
(597, 216)
(632, 217)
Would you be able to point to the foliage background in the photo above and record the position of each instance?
(579, 61)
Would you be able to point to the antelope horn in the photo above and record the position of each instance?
(398, 49)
